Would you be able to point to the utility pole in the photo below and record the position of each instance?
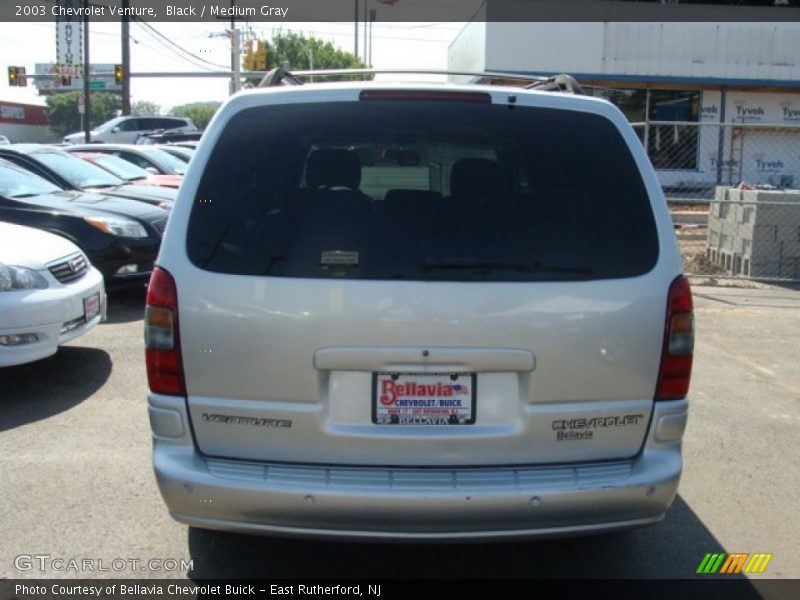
(365, 30)
(87, 116)
(126, 59)
(372, 15)
(235, 49)
(236, 58)
(355, 35)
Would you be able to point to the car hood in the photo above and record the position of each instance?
(32, 248)
(79, 136)
(96, 204)
(151, 194)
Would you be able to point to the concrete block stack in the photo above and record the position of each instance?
(755, 233)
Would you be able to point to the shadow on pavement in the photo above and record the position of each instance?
(789, 285)
(47, 387)
(126, 306)
(671, 549)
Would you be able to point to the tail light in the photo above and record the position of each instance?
(161, 339)
(678, 348)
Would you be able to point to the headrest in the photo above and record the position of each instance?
(333, 167)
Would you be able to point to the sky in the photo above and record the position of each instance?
(394, 45)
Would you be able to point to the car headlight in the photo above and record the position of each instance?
(20, 278)
(118, 226)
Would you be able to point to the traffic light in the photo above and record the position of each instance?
(13, 76)
(118, 74)
(248, 60)
(261, 55)
(22, 79)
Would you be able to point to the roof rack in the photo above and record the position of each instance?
(557, 83)
(279, 76)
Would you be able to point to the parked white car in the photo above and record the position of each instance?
(49, 294)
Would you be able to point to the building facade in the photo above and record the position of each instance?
(714, 103)
(24, 123)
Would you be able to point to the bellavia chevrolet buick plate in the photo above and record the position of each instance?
(417, 399)
(418, 311)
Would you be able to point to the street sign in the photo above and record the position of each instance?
(65, 78)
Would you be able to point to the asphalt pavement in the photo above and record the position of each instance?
(76, 479)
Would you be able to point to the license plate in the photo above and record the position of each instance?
(91, 307)
(423, 399)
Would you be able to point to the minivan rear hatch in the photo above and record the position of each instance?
(421, 278)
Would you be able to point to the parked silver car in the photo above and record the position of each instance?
(404, 311)
(127, 129)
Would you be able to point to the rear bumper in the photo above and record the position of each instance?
(437, 504)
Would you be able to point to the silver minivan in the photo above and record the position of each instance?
(418, 311)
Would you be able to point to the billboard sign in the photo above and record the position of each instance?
(66, 78)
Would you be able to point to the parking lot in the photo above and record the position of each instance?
(76, 480)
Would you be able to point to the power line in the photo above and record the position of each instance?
(164, 47)
(189, 55)
(380, 37)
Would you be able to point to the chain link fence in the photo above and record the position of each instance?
(734, 193)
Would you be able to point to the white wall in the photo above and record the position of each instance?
(719, 50)
(545, 47)
(467, 51)
(759, 51)
(39, 134)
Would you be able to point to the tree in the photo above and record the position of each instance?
(144, 108)
(199, 112)
(297, 50)
(62, 110)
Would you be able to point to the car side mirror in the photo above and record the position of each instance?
(115, 130)
(151, 170)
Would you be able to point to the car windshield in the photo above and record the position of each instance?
(165, 158)
(422, 190)
(19, 183)
(119, 167)
(78, 172)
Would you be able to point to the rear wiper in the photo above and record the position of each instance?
(445, 263)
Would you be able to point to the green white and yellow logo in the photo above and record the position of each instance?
(737, 562)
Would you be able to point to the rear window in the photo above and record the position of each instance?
(422, 190)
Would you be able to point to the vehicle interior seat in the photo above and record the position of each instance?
(331, 212)
(478, 202)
